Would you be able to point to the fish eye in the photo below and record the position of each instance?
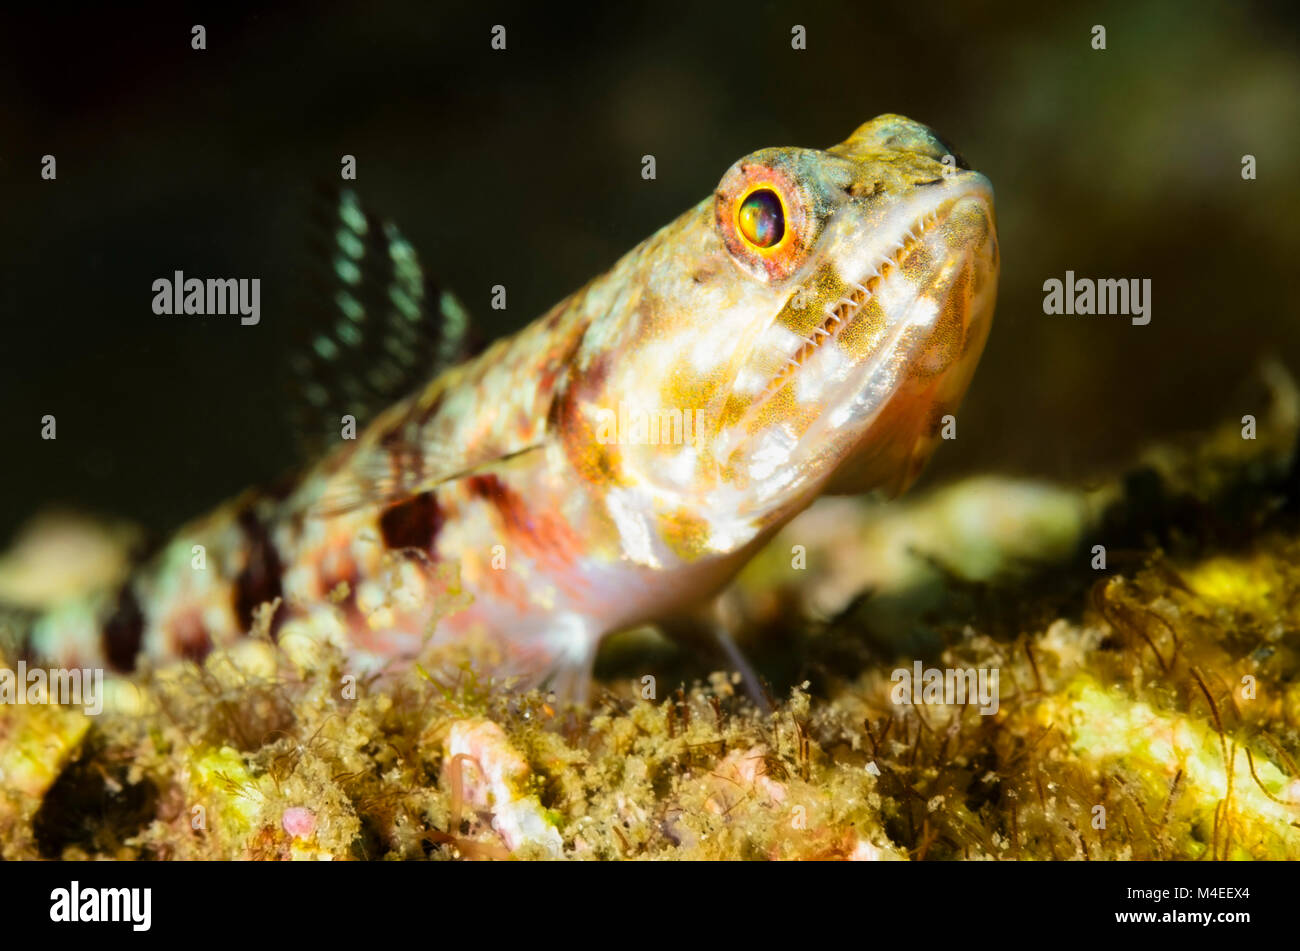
(761, 218)
(765, 215)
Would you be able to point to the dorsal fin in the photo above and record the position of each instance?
(379, 327)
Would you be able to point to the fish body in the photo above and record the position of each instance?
(803, 330)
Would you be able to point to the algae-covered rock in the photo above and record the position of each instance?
(37, 741)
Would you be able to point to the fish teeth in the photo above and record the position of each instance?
(836, 314)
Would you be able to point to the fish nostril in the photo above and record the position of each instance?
(943, 148)
(956, 157)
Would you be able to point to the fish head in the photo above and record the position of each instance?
(809, 328)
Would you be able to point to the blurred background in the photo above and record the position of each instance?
(522, 168)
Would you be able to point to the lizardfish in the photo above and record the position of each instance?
(804, 330)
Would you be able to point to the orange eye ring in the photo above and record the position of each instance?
(765, 216)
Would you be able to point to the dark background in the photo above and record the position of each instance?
(523, 168)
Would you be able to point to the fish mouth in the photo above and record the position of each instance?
(884, 415)
(917, 285)
(934, 221)
(841, 313)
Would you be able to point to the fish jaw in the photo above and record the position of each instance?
(825, 362)
(861, 405)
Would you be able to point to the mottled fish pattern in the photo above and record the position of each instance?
(803, 330)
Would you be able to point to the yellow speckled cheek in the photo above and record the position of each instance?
(781, 406)
(785, 409)
(684, 389)
(737, 405)
(918, 265)
(806, 309)
(965, 228)
(948, 338)
(685, 533)
(803, 415)
(862, 334)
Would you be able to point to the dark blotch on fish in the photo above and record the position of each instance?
(508, 503)
(412, 523)
(259, 582)
(124, 631)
